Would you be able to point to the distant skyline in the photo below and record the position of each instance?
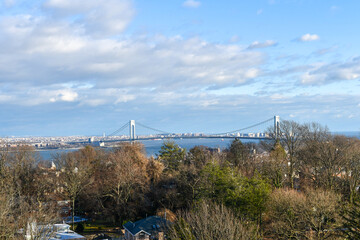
(87, 67)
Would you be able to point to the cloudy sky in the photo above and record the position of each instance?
(84, 67)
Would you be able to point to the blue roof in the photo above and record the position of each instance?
(149, 225)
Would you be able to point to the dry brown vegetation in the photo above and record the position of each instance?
(294, 187)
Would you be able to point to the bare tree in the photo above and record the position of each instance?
(208, 221)
(324, 160)
(323, 216)
(297, 215)
(291, 135)
(285, 215)
(7, 220)
(154, 170)
(20, 207)
(77, 169)
(126, 178)
(351, 168)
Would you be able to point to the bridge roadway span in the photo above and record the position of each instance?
(173, 137)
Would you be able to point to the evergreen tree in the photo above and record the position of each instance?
(171, 155)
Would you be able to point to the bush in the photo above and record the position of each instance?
(208, 221)
(296, 215)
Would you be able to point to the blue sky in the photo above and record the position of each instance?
(84, 67)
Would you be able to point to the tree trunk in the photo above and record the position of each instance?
(72, 212)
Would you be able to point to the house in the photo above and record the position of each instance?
(145, 229)
(50, 231)
(62, 231)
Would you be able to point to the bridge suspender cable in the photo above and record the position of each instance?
(164, 132)
(154, 129)
(119, 130)
(242, 129)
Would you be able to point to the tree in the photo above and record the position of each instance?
(249, 199)
(171, 155)
(199, 156)
(22, 202)
(154, 170)
(324, 160)
(351, 168)
(208, 221)
(297, 215)
(351, 217)
(218, 182)
(7, 219)
(246, 196)
(77, 169)
(21, 166)
(239, 155)
(285, 214)
(291, 135)
(323, 214)
(274, 166)
(189, 183)
(126, 181)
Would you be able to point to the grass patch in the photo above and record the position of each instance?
(97, 226)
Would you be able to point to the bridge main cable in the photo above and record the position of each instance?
(119, 130)
(242, 129)
(154, 129)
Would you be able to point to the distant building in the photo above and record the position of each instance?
(148, 228)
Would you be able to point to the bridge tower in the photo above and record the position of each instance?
(132, 130)
(277, 126)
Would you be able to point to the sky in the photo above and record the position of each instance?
(87, 67)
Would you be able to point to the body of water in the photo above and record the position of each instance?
(152, 147)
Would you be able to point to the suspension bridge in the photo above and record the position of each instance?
(241, 133)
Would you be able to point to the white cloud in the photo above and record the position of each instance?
(322, 73)
(50, 52)
(309, 37)
(277, 96)
(191, 3)
(267, 43)
(59, 44)
(210, 102)
(5, 98)
(32, 96)
(65, 95)
(252, 73)
(54, 58)
(97, 17)
(125, 98)
(312, 79)
(9, 3)
(234, 39)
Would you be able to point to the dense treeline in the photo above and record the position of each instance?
(303, 185)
